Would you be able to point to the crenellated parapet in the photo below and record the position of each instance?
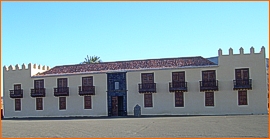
(34, 68)
(241, 52)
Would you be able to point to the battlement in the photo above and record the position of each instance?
(23, 67)
(241, 52)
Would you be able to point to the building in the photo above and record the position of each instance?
(235, 84)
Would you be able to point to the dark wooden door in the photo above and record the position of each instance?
(114, 106)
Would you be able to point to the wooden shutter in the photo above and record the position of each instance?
(62, 82)
(87, 102)
(17, 87)
(242, 97)
(148, 100)
(178, 76)
(17, 104)
(147, 77)
(87, 81)
(39, 104)
(179, 99)
(209, 98)
(62, 103)
(241, 74)
(39, 84)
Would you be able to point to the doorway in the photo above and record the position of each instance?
(117, 106)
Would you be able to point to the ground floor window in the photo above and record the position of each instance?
(242, 97)
(148, 100)
(39, 104)
(209, 98)
(17, 104)
(87, 102)
(179, 99)
(62, 103)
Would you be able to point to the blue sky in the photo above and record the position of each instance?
(64, 33)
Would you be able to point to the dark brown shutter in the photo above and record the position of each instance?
(245, 74)
(242, 97)
(148, 100)
(87, 81)
(179, 99)
(39, 84)
(209, 75)
(17, 104)
(62, 103)
(17, 87)
(87, 102)
(209, 98)
(241, 74)
(147, 77)
(39, 104)
(62, 82)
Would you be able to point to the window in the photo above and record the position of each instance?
(147, 80)
(39, 104)
(209, 75)
(242, 97)
(62, 82)
(87, 102)
(116, 85)
(148, 100)
(62, 85)
(179, 99)
(39, 84)
(87, 81)
(17, 87)
(209, 98)
(242, 74)
(17, 104)
(62, 103)
(39, 87)
(178, 76)
(178, 79)
(147, 77)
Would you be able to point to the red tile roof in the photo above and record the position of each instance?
(130, 65)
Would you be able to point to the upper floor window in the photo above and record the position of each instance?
(242, 74)
(147, 77)
(39, 84)
(87, 81)
(178, 76)
(209, 75)
(62, 82)
(17, 87)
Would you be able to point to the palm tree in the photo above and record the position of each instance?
(91, 59)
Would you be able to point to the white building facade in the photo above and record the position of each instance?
(171, 86)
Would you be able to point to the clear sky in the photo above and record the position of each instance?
(64, 33)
